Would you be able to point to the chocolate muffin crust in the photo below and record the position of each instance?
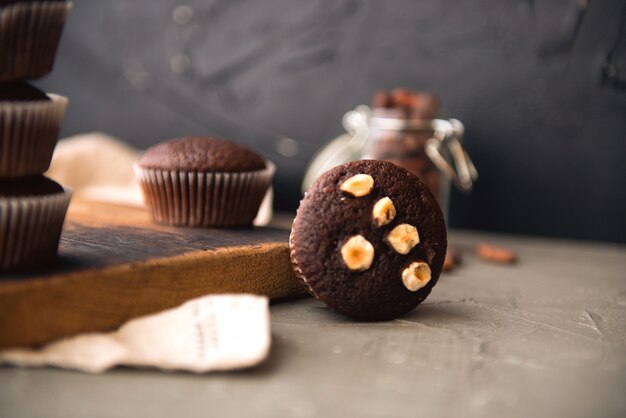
(328, 217)
(29, 186)
(204, 154)
(20, 92)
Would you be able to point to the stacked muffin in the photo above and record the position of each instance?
(32, 207)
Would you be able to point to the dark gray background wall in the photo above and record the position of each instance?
(540, 86)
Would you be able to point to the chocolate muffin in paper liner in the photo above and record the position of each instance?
(203, 182)
(32, 212)
(369, 240)
(29, 35)
(29, 127)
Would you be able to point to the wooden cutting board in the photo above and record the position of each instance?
(114, 264)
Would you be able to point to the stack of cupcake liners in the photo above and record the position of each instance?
(32, 207)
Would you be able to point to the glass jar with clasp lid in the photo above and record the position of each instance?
(430, 148)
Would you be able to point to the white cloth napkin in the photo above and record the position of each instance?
(216, 332)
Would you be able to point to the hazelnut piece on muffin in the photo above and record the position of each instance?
(203, 182)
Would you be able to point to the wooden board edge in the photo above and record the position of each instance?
(103, 299)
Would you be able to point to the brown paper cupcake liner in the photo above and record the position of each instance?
(28, 135)
(204, 199)
(29, 35)
(296, 267)
(30, 228)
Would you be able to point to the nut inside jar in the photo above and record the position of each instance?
(397, 134)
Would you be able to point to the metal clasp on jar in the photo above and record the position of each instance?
(444, 149)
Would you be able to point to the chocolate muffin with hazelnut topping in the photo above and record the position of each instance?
(369, 240)
(203, 182)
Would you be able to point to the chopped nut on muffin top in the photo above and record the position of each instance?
(206, 154)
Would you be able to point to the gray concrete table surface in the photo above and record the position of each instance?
(543, 338)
